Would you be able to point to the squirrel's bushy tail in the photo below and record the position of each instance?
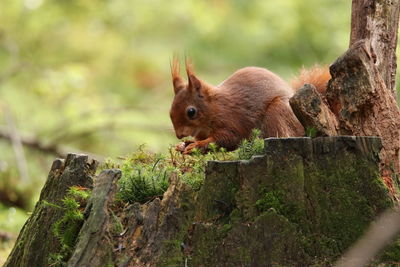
(317, 76)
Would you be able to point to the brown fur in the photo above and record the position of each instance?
(177, 80)
(225, 114)
(317, 76)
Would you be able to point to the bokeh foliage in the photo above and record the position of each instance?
(94, 75)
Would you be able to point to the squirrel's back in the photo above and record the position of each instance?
(255, 97)
(251, 77)
(258, 98)
(255, 83)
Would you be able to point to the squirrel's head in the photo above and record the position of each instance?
(189, 110)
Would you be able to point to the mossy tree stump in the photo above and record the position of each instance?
(36, 240)
(303, 202)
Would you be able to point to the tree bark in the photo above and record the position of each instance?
(360, 98)
(95, 238)
(360, 101)
(36, 240)
(377, 21)
(313, 112)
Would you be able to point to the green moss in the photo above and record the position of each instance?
(174, 255)
(279, 208)
(311, 132)
(145, 175)
(269, 239)
(314, 209)
(217, 197)
(242, 255)
(116, 225)
(344, 198)
(67, 228)
(57, 260)
(391, 255)
(235, 216)
(207, 239)
(225, 229)
(250, 147)
(271, 199)
(277, 201)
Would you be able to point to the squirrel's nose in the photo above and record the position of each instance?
(180, 136)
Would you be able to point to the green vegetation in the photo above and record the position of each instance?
(67, 228)
(253, 146)
(145, 175)
(392, 253)
(311, 132)
(271, 200)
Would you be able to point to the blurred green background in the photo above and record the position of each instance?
(93, 75)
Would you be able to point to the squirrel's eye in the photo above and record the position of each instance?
(191, 112)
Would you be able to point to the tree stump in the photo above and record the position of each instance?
(36, 240)
(303, 202)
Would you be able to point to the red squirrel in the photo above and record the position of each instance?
(251, 98)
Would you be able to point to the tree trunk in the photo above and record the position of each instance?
(360, 98)
(377, 21)
(361, 103)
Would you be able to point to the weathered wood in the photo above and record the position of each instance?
(36, 240)
(155, 231)
(95, 245)
(361, 94)
(358, 97)
(377, 21)
(301, 204)
(313, 111)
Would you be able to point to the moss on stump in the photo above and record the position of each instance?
(303, 202)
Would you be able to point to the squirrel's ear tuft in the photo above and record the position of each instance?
(194, 82)
(177, 80)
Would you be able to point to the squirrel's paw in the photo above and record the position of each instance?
(202, 146)
(189, 148)
(182, 145)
